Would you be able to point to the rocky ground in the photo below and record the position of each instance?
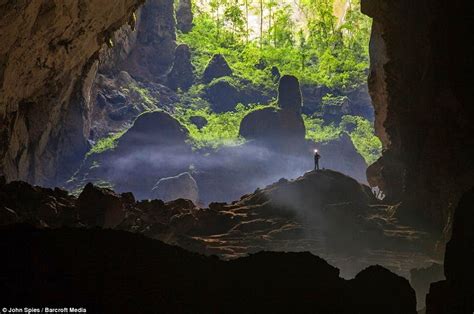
(324, 212)
(107, 271)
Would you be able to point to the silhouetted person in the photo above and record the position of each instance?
(317, 156)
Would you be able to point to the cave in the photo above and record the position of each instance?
(122, 191)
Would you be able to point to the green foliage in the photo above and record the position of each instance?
(362, 134)
(144, 94)
(105, 144)
(221, 129)
(318, 132)
(319, 52)
(359, 129)
(331, 100)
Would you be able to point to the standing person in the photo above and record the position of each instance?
(317, 156)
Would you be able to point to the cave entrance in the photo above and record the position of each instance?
(215, 75)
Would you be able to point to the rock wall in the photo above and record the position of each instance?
(455, 295)
(420, 83)
(153, 54)
(47, 65)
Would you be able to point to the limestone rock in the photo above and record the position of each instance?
(198, 121)
(20, 202)
(217, 67)
(455, 294)
(273, 125)
(223, 95)
(184, 16)
(181, 186)
(295, 282)
(289, 94)
(100, 207)
(375, 287)
(341, 155)
(47, 64)
(431, 153)
(422, 278)
(182, 73)
(154, 51)
(154, 128)
(281, 128)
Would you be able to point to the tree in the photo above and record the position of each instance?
(283, 27)
(234, 16)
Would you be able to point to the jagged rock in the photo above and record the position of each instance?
(21, 202)
(184, 16)
(182, 73)
(198, 121)
(181, 186)
(421, 278)
(216, 68)
(120, 99)
(281, 128)
(124, 79)
(267, 281)
(455, 294)
(100, 207)
(323, 211)
(434, 165)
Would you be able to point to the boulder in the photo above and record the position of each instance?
(182, 73)
(184, 16)
(100, 207)
(217, 67)
(281, 128)
(222, 94)
(154, 128)
(272, 125)
(182, 186)
(198, 121)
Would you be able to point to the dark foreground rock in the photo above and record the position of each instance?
(324, 212)
(422, 278)
(455, 295)
(119, 272)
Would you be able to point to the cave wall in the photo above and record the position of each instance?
(47, 65)
(420, 83)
